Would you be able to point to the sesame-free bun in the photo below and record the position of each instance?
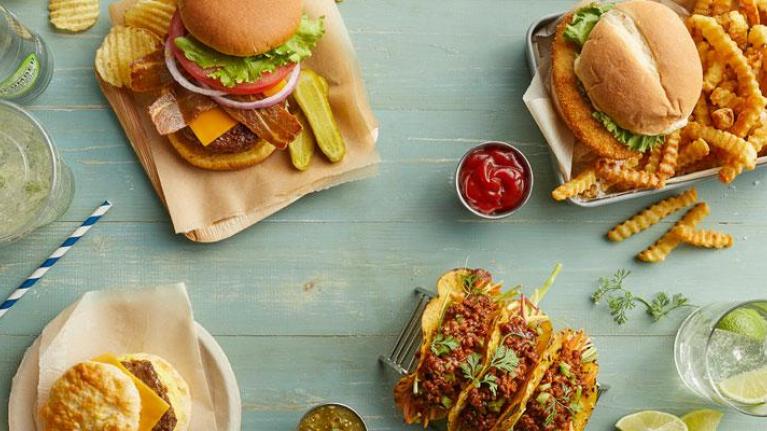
(641, 68)
(92, 396)
(178, 390)
(241, 27)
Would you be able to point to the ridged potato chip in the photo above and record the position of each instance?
(153, 15)
(74, 15)
(121, 47)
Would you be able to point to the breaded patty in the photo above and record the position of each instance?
(92, 396)
(574, 107)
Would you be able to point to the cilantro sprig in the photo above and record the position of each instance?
(443, 344)
(621, 300)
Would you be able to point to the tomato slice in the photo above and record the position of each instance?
(267, 80)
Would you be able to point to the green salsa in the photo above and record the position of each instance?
(331, 418)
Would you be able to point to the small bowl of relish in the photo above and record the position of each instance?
(332, 417)
(493, 180)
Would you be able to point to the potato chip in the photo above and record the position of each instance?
(581, 183)
(652, 215)
(74, 15)
(703, 238)
(667, 166)
(695, 151)
(153, 15)
(121, 47)
(669, 241)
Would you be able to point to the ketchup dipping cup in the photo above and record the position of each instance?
(493, 180)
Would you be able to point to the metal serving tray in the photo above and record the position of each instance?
(535, 35)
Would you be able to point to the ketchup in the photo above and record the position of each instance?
(494, 179)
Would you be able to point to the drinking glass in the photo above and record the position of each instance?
(720, 344)
(26, 65)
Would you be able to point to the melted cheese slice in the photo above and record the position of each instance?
(152, 406)
(211, 124)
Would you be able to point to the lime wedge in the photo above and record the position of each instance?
(22, 80)
(746, 388)
(651, 420)
(745, 321)
(702, 420)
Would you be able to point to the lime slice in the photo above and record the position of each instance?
(746, 388)
(22, 80)
(651, 420)
(745, 321)
(702, 420)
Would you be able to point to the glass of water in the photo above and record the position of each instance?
(36, 187)
(26, 65)
(721, 353)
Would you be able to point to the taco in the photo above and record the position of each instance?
(457, 326)
(518, 344)
(563, 390)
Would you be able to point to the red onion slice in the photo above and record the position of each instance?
(269, 101)
(170, 62)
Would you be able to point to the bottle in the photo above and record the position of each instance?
(26, 64)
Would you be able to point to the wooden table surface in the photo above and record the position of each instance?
(304, 302)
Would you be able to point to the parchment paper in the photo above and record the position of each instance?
(209, 206)
(155, 320)
(570, 155)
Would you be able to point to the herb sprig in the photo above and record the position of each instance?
(443, 344)
(620, 300)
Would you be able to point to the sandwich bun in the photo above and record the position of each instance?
(640, 66)
(92, 396)
(196, 155)
(241, 27)
(177, 389)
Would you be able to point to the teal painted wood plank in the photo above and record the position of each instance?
(345, 369)
(357, 278)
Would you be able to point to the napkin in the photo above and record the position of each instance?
(209, 206)
(154, 320)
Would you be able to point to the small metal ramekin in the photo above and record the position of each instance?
(521, 157)
(343, 406)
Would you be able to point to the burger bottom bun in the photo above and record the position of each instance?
(92, 396)
(178, 390)
(196, 155)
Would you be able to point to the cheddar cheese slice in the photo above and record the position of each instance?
(211, 124)
(152, 406)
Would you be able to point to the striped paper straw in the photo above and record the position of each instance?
(58, 254)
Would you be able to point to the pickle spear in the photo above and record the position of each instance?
(302, 148)
(311, 93)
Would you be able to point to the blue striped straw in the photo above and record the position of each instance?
(58, 254)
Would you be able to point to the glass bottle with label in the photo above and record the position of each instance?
(26, 65)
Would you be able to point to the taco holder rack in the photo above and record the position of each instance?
(539, 32)
(402, 358)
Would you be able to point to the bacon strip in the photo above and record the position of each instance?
(175, 109)
(149, 73)
(275, 124)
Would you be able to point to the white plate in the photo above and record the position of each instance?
(221, 379)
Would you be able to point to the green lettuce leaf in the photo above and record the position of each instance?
(584, 21)
(635, 142)
(231, 70)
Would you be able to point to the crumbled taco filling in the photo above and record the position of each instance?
(512, 364)
(456, 351)
(559, 396)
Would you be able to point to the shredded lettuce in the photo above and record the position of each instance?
(584, 21)
(231, 70)
(635, 142)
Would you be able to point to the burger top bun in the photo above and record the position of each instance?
(92, 396)
(640, 67)
(241, 27)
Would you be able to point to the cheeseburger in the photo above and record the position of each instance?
(138, 392)
(234, 64)
(624, 75)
